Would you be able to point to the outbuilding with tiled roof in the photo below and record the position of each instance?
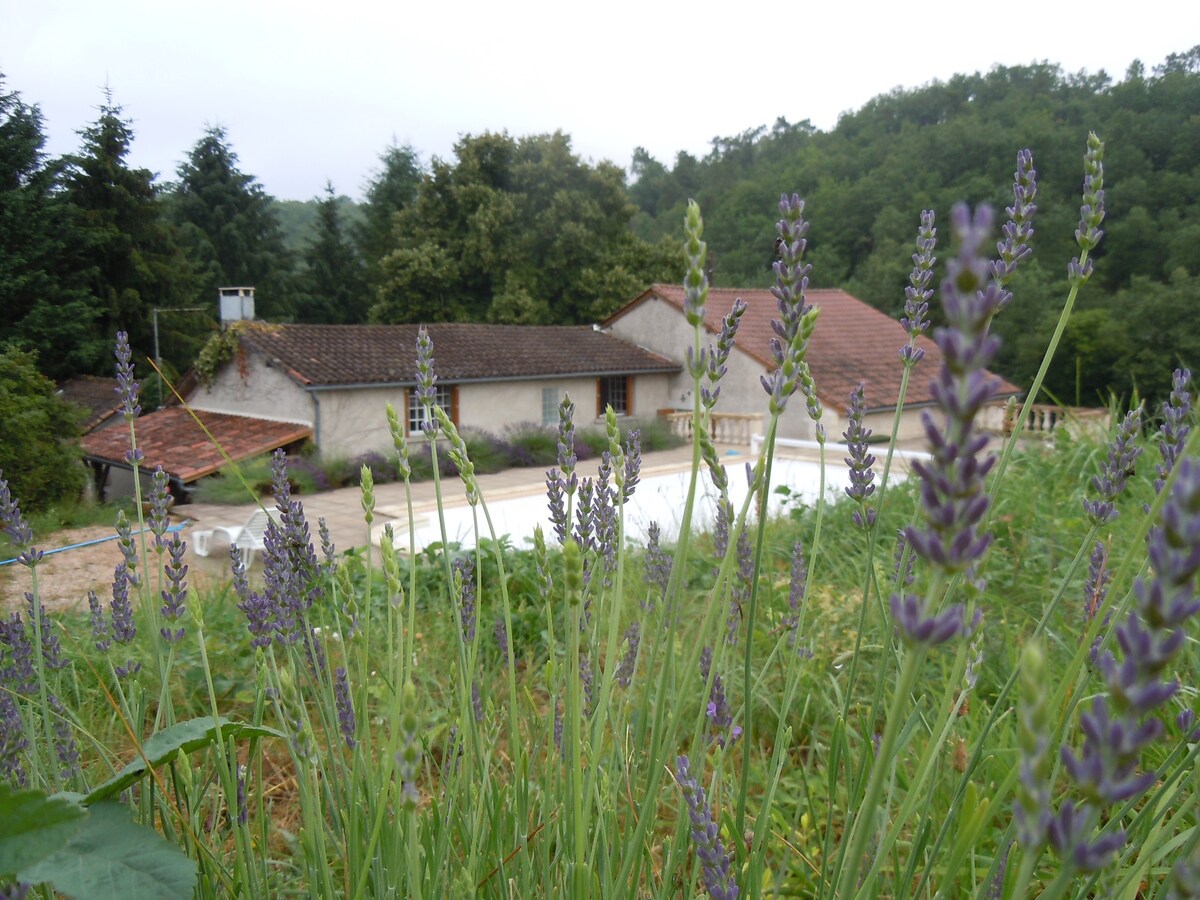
(336, 379)
(188, 446)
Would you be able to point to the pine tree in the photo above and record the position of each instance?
(227, 221)
(332, 285)
(127, 255)
(41, 306)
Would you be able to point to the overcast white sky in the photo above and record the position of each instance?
(314, 91)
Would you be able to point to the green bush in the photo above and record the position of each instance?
(39, 435)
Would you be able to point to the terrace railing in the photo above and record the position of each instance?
(724, 427)
(1044, 419)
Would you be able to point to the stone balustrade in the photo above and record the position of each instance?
(724, 427)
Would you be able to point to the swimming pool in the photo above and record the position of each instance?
(658, 498)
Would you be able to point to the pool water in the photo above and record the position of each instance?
(658, 498)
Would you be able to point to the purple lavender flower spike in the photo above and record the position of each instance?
(159, 496)
(718, 710)
(1067, 831)
(658, 561)
(555, 491)
(1018, 230)
(796, 319)
(628, 664)
(256, 606)
(328, 550)
(919, 627)
(953, 499)
(127, 388)
(714, 861)
(18, 674)
(501, 634)
(584, 521)
(604, 515)
(476, 702)
(52, 654)
(175, 595)
(12, 741)
(464, 578)
(426, 381)
(587, 680)
(718, 356)
(16, 527)
(291, 570)
(1174, 432)
(860, 460)
(916, 296)
(1119, 726)
(797, 588)
(1095, 590)
(100, 635)
(65, 747)
(633, 462)
(125, 544)
(345, 706)
(902, 556)
(1123, 453)
(1091, 212)
(123, 628)
(566, 442)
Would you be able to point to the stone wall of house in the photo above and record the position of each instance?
(249, 387)
(495, 406)
(353, 421)
(660, 327)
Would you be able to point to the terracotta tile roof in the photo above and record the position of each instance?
(171, 438)
(97, 397)
(852, 342)
(330, 355)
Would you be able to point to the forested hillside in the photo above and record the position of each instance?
(868, 179)
(520, 229)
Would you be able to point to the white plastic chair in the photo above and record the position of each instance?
(248, 537)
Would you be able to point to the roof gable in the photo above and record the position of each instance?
(343, 355)
(852, 342)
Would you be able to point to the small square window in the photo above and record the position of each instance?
(416, 409)
(614, 391)
(550, 401)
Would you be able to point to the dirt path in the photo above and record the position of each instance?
(64, 579)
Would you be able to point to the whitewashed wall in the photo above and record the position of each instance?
(263, 391)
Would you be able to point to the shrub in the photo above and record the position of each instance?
(533, 444)
(39, 435)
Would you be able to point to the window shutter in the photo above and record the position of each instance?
(453, 410)
(599, 398)
(629, 395)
